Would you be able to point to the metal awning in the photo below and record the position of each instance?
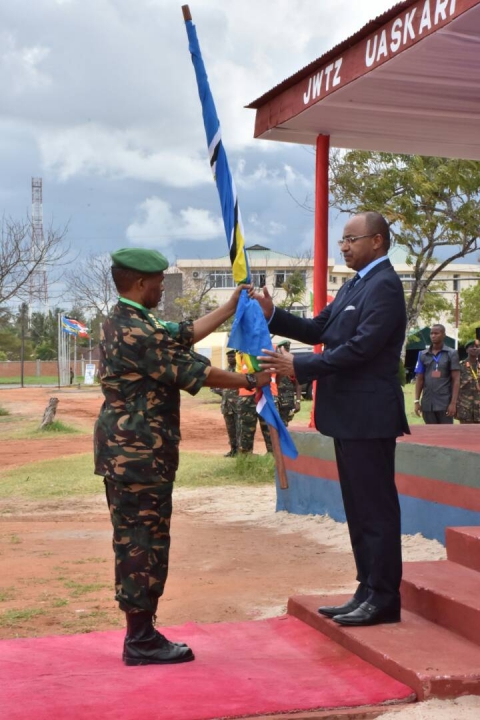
(409, 82)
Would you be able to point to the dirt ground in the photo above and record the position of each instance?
(233, 558)
(226, 562)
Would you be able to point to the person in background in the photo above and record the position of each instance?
(289, 391)
(468, 402)
(229, 407)
(144, 363)
(437, 380)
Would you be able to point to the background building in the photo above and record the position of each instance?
(272, 269)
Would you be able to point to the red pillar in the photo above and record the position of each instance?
(320, 253)
(320, 258)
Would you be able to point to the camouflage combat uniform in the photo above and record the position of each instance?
(229, 409)
(143, 365)
(286, 398)
(247, 424)
(468, 403)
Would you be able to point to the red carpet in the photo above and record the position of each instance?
(250, 668)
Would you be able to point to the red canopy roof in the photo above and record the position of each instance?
(408, 82)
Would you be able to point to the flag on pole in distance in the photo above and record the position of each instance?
(74, 327)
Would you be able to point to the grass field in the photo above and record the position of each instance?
(34, 380)
(73, 476)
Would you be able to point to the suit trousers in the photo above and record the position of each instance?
(367, 479)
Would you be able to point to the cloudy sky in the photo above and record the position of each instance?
(98, 98)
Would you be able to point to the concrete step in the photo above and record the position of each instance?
(430, 659)
(463, 546)
(444, 593)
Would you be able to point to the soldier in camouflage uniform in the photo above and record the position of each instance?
(144, 363)
(289, 393)
(468, 402)
(229, 409)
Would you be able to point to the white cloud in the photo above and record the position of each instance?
(159, 226)
(99, 97)
(20, 70)
(96, 150)
(275, 176)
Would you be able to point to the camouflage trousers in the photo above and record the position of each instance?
(140, 516)
(247, 424)
(231, 422)
(286, 412)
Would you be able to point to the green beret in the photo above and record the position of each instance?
(144, 261)
(469, 344)
(282, 343)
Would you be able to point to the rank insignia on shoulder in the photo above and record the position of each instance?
(155, 322)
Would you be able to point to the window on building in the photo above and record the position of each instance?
(344, 280)
(456, 283)
(221, 279)
(405, 276)
(299, 311)
(333, 279)
(259, 278)
(281, 276)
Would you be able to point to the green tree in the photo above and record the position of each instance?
(295, 288)
(432, 204)
(470, 313)
(18, 264)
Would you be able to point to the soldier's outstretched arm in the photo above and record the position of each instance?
(209, 323)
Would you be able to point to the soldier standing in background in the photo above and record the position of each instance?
(468, 402)
(144, 363)
(229, 408)
(289, 391)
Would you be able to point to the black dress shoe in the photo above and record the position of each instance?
(367, 614)
(331, 610)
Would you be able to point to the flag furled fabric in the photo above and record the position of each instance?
(249, 331)
(266, 408)
(74, 327)
(219, 164)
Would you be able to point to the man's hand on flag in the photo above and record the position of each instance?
(264, 300)
(280, 362)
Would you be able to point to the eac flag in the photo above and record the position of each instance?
(250, 331)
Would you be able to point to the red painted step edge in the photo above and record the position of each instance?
(463, 546)
(430, 659)
(445, 593)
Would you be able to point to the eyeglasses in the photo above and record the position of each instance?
(349, 239)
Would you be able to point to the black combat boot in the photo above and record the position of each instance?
(146, 646)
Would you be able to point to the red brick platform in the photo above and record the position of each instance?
(436, 648)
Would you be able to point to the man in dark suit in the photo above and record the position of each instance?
(359, 402)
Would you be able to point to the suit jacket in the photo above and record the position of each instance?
(358, 393)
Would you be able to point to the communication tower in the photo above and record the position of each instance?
(38, 288)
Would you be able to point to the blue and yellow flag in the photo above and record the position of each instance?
(250, 330)
(232, 219)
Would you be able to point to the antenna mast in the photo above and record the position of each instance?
(38, 289)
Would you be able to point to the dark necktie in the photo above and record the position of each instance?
(353, 282)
